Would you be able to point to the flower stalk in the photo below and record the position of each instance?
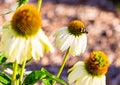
(39, 5)
(3, 68)
(63, 64)
(22, 72)
(14, 73)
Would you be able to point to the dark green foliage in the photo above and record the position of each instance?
(5, 79)
(2, 59)
(20, 2)
(43, 75)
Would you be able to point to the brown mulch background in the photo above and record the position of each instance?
(101, 19)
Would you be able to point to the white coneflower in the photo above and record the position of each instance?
(73, 36)
(24, 38)
(90, 72)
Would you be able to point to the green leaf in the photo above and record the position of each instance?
(20, 2)
(47, 81)
(51, 78)
(10, 65)
(33, 77)
(29, 60)
(46, 77)
(2, 59)
(5, 79)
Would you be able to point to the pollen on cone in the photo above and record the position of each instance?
(76, 27)
(26, 21)
(97, 64)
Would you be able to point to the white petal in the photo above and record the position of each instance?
(96, 81)
(84, 42)
(14, 43)
(18, 50)
(103, 80)
(73, 47)
(84, 80)
(11, 54)
(60, 39)
(37, 49)
(99, 80)
(45, 40)
(68, 41)
(79, 46)
(9, 71)
(77, 71)
(61, 30)
(33, 50)
(27, 52)
(63, 39)
(21, 52)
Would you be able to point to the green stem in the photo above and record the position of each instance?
(14, 73)
(23, 2)
(63, 64)
(39, 5)
(3, 68)
(17, 82)
(22, 72)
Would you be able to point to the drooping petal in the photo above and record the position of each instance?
(27, 49)
(76, 72)
(77, 43)
(19, 50)
(60, 39)
(84, 80)
(45, 40)
(96, 81)
(25, 38)
(61, 31)
(79, 46)
(79, 76)
(73, 47)
(37, 49)
(84, 42)
(103, 80)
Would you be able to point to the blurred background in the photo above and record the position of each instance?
(102, 21)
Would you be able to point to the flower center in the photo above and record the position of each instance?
(97, 64)
(26, 21)
(76, 28)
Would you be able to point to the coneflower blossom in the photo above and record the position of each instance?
(24, 39)
(90, 72)
(73, 36)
